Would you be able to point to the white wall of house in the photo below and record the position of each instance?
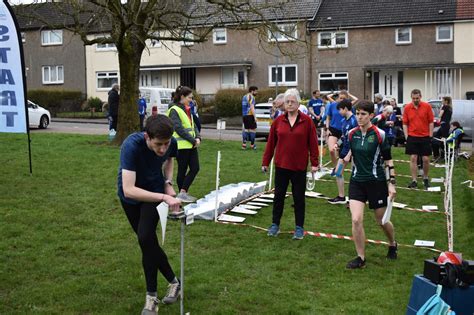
(467, 82)
(208, 80)
(464, 42)
(413, 79)
(104, 61)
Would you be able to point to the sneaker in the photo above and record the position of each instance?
(174, 291)
(337, 200)
(426, 183)
(413, 184)
(244, 146)
(392, 252)
(273, 230)
(185, 197)
(253, 146)
(356, 263)
(151, 305)
(299, 233)
(333, 172)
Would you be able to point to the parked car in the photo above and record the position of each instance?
(157, 99)
(463, 112)
(262, 112)
(38, 116)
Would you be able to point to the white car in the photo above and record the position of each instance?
(38, 116)
(262, 113)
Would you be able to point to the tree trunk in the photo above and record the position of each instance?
(129, 54)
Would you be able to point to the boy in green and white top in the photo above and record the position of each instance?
(369, 149)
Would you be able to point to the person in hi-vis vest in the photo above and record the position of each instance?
(187, 135)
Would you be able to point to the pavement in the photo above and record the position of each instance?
(104, 121)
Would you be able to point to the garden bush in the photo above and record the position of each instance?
(57, 100)
(95, 103)
(228, 102)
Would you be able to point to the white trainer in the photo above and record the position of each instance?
(174, 290)
(151, 305)
(185, 197)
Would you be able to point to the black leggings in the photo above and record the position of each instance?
(187, 158)
(298, 187)
(143, 218)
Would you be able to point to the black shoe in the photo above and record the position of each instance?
(413, 184)
(357, 263)
(426, 183)
(392, 252)
(337, 200)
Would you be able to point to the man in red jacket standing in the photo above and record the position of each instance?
(292, 139)
(418, 122)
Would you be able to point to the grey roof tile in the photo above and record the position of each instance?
(360, 13)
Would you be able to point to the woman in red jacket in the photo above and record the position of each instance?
(292, 139)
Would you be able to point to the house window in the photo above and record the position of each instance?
(444, 33)
(403, 35)
(332, 82)
(23, 37)
(187, 35)
(105, 80)
(104, 46)
(332, 40)
(53, 37)
(53, 74)
(219, 36)
(284, 75)
(241, 78)
(284, 33)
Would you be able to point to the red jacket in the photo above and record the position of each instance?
(292, 145)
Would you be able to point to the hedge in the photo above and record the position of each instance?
(57, 100)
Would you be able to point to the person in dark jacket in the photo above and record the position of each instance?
(113, 100)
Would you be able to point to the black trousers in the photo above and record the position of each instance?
(187, 158)
(298, 186)
(143, 218)
(113, 122)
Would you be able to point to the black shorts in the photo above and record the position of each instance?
(376, 192)
(335, 132)
(249, 122)
(418, 145)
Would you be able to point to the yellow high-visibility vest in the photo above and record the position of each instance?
(188, 126)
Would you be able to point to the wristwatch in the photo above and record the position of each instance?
(169, 182)
(393, 181)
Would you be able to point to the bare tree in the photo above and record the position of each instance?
(129, 24)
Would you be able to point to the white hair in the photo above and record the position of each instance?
(292, 92)
(388, 108)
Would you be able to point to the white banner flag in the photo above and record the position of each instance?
(12, 96)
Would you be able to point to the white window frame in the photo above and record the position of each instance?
(333, 40)
(107, 47)
(398, 42)
(107, 75)
(59, 71)
(333, 77)
(215, 40)
(440, 40)
(277, 36)
(49, 37)
(188, 35)
(283, 82)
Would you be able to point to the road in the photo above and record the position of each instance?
(102, 129)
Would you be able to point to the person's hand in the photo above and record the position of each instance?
(336, 147)
(173, 203)
(314, 169)
(392, 192)
(198, 143)
(264, 168)
(169, 190)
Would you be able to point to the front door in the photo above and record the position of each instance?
(388, 83)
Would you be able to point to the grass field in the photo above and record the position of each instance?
(67, 248)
